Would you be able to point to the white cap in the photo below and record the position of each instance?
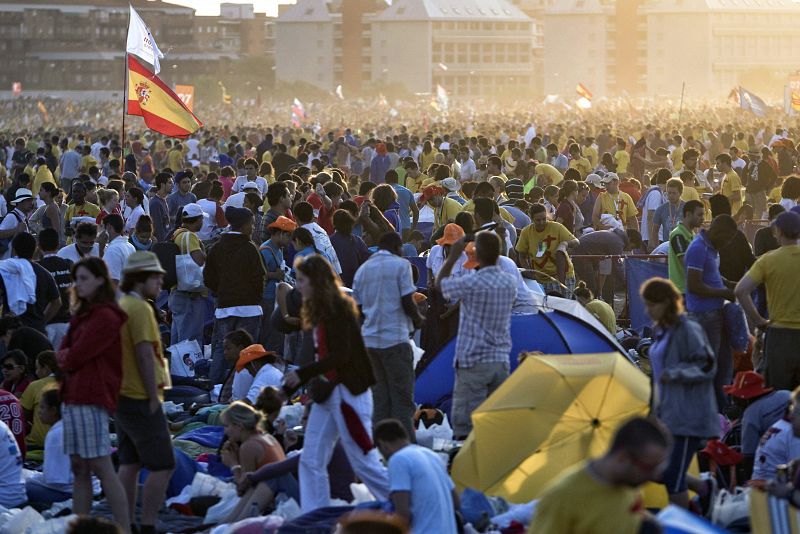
(250, 185)
(451, 184)
(594, 180)
(192, 210)
(610, 177)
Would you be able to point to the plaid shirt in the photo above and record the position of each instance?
(484, 325)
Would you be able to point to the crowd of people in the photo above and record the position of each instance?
(313, 262)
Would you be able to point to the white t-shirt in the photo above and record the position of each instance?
(133, 218)
(116, 255)
(12, 485)
(653, 201)
(436, 260)
(242, 380)
(238, 185)
(210, 222)
(10, 221)
(70, 252)
(324, 246)
(268, 375)
(57, 472)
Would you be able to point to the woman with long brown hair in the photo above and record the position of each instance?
(683, 382)
(338, 382)
(91, 359)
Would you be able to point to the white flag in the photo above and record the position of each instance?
(141, 42)
(339, 92)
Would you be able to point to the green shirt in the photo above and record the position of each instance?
(679, 239)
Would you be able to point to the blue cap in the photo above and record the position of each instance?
(788, 222)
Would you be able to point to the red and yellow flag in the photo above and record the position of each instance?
(583, 92)
(159, 106)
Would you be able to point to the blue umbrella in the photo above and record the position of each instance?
(550, 331)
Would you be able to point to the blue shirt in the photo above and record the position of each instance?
(404, 197)
(421, 473)
(273, 259)
(379, 287)
(378, 167)
(702, 255)
(70, 165)
(656, 354)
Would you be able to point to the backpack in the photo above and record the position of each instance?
(167, 252)
(6, 242)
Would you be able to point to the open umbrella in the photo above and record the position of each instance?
(551, 413)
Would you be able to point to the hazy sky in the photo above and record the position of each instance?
(211, 7)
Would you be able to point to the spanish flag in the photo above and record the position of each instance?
(159, 106)
(583, 92)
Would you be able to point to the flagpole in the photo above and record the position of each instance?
(124, 104)
(680, 110)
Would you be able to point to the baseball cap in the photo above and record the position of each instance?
(594, 180)
(610, 177)
(250, 185)
(432, 191)
(788, 222)
(451, 184)
(192, 210)
(283, 223)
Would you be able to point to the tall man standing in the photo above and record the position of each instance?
(777, 270)
(383, 287)
(484, 326)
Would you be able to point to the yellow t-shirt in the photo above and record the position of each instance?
(541, 248)
(43, 175)
(777, 270)
(425, 160)
(86, 210)
(590, 153)
(689, 193)
(469, 206)
(548, 171)
(193, 242)
(677, 158)
(446, 213)
(731, 183)
(622, 159)
(578, 503)
(175, 160)
(86, 162)
(30, 400)
(621, 205)
(775, 195)
(266, 156)
(604, 313)
(582, 165)
(141, 326)
(742, 145)
(415, 184)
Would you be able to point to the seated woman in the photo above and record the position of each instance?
(54, 483)
(247, 448)
(599, 308)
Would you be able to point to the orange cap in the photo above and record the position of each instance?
(452, 233)
(251, 354)
(472, 258)
(283, 223)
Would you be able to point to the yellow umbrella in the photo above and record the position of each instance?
(551, 413)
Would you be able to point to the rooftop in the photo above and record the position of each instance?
(307, 11)
(452, 10)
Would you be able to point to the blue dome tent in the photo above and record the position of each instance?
(560, 327)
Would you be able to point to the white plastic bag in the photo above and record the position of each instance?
(288, 509)
(221, 510)
(730, 506)
(417, 352)
(204, 485)
(190, 275)
(22, 520)
(56, 525)
(183, 356)
(361, 494)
